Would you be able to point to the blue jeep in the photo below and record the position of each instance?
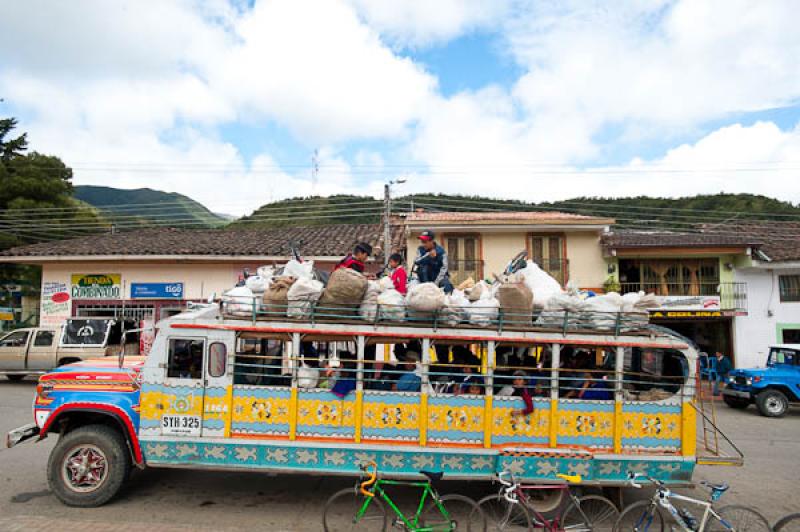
(772, 388)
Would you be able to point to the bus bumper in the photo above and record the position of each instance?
(20, 434)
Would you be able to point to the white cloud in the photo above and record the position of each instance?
(419, 23)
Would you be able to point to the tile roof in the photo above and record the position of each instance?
(513, 216)
(780, 241)
(661, 239)
(330, 240)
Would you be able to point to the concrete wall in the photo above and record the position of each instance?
(754, 333)
(587, 267)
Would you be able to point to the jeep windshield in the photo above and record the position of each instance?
(780, 356)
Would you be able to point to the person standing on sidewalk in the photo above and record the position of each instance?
(724, 367)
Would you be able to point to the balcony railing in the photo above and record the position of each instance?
(730, 296)
(461, 270)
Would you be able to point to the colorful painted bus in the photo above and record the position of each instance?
(324, 396)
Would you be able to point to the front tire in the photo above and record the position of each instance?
(88, 466)
(341, 509)
(502, 515)
(772, 403)
(600, 513)
(736, 402)
(15, 378)
(739, 518)
(790, 523)
(642, 516)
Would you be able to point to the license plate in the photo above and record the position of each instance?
(180, 425)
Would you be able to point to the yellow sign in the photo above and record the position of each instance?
(6, 316)
(686, 314)
(96, 286)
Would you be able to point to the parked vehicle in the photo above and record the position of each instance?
(35, 350)
(221, 392)
(772, 388)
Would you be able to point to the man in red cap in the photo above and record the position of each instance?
(431, 262)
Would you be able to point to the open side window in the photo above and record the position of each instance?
(185, 358)
(653, 374)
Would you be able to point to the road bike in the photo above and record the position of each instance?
(790, 523)
(364, 507)
(513, 508)
(647, 515)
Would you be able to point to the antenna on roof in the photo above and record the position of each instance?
(314, 170)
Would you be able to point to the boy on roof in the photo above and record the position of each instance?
(357, 259)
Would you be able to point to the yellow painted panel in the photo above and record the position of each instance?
(269, 411)
(456, 418)
(576, 423)
(536, 424)
(688, 430)
(391, 415)
(423, 419)
(659, 426)
(618, 427)
(293, 414)
(359, 414)
(487, 422)
(325, 413)
(553, 422)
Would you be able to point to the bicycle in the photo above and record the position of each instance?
(512, 509)
(647, 515)
(790, 523)
(363, 507)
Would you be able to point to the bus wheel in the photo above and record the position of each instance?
(88, 466)
(15, 378)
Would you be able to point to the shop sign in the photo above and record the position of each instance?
(156, 290)
(6, 314)
(96, 286)
(689, 302)
(677, 314)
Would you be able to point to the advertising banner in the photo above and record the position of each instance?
(96, 286)
(156, 290)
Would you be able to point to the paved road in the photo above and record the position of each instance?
(178, 500)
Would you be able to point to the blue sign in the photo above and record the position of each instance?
(156, 290)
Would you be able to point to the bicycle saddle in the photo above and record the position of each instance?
(720, 488)
(434, 477)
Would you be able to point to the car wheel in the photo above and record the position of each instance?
(736, 402)
(15, 378)
(88, 466)
(772, 403)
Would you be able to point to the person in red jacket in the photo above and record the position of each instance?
(357, 259)
(397, 273)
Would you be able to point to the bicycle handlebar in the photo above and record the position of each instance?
(503, 481)
(373, 476)
(633, 476)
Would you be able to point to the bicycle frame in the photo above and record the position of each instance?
(519, 490)
(665, 497)
(413, 524)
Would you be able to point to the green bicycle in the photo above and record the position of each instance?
(363, 507)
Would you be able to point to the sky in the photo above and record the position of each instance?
(226, 101)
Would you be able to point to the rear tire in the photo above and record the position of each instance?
(740, 518)
(502, 515)
(342, 507)
(772, 403)
(600, 512)
(15, 378)
(736, 402)
(88, 466)
(790, 523)
(642, 516)
(464, 515)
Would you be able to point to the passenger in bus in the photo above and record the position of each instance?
(357, 259)
(474, 386)
(520, 388)
(410, 380)
(345, 376)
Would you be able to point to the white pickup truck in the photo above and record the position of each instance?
(36, 350)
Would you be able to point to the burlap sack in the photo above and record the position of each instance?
(276, 296)
(344, 293)
(516, 302)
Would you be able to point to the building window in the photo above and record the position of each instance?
(678, 277)
(463, 258)
(549, 253)
(789, 287)
(185, 359)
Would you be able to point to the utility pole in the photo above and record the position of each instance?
(387, 228)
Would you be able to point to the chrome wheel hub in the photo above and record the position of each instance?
(85, 468)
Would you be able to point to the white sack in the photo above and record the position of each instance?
(392, 305)
(300, 270)
(456, 307)
(484, 312)
(540, 282)
(257, 284)
(267, 272)
(301, 297)
(238, 301)
(307, 377)
(386, 283)
(369, 306)
(601, 311)
(426, 297)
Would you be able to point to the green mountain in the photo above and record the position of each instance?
(131, 208)
(641, 212)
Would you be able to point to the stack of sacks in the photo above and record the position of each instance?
(475, 292)
(553, 313)
(238, 301)
(423, 300)
(456, 308)
(302, 296)
(276, 297)
(344, 293)
(369, 305)
(516, 300)
(258, 284)
(636, 306)
(299, 270)
(600, 312)
(391, 305)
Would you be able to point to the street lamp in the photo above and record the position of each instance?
(387, 208)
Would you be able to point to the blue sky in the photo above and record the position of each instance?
(226, 102)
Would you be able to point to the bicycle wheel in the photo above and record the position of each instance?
(503, 515)
(790, 523)
(640, 517)
(343, 506)
(740, 519)
(600, 514)
(462, 514)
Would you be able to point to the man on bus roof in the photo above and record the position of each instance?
(357, 259)
(431, 262)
